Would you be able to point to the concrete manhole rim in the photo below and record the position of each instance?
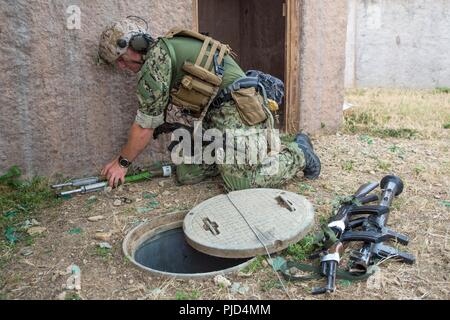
(173, 225)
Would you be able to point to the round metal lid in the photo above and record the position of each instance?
(244, 223)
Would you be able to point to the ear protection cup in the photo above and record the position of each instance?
(140, 43)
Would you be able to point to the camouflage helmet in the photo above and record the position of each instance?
(109, 50)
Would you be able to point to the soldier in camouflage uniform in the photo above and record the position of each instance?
(158, 72)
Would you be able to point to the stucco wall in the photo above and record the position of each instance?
(63, 113)
(60, 112)
(398, 43)
(322, 59)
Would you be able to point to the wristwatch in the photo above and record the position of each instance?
(124, 162)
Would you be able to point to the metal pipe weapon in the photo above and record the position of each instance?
(93, 184)
(392, 186)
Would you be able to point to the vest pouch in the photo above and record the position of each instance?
(198, 85)
(249, 105)
(191, 97)
(202, 73)
(196, 110)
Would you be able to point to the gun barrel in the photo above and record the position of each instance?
(365, 189)
(77, 183)
(85, 189)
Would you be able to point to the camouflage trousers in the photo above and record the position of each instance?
(284, 165)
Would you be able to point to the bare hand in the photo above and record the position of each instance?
(114, 173)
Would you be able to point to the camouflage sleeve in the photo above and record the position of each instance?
(154, 87)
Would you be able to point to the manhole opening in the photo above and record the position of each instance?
(168, 251)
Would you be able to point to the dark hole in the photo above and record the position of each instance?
(169, 252)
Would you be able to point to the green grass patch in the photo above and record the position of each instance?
(193, 295)
(254, 266)
(301, 250)
(366, 138)
(103, 253)
(270, 284)
(446, 125)
(72, 296)
(305, 188)
(440, 90)
(402, 133)
(347, 165)
(21, 200)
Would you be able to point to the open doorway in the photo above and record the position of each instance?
(255, 30)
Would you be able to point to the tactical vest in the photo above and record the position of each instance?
(201, 67)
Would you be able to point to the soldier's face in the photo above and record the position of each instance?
(131, 60)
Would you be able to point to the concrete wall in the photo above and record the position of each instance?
(60, 111)
(398, 43)
(63, 113)
(322, 57)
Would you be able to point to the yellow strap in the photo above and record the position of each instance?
(211, 54)
(223, 49)
(202, 53)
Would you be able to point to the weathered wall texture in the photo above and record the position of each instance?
(60, 111)
(322, 59)
(63, 113)
(398, 43)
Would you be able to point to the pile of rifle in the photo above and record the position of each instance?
(356, 221)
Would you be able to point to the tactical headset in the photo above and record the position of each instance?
(139, 41)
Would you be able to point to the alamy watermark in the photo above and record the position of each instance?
(73, 21)
(232, 147)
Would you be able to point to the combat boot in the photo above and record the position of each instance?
(312, 166)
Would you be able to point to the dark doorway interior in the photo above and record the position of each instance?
(255, 29)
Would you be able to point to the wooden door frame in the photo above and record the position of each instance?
(292, 62)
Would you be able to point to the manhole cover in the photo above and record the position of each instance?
(245, 223)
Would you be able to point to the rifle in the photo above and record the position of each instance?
(341, 228)
(375, 228)
(335, 231)
(93, 184)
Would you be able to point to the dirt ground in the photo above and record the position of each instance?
(386, 132)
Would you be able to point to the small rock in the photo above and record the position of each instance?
(105, 245)
(103, 236)
(245, 275)
(36, 231)
(131, 281)
(92, 198)
(238, 288)
(166, 193)
(372, 172)
(117, 203)
(264, 263)
(96, 218)
(293, 271)
(34, 222)
(62, 296)
(27, 251)
(436, 196)
(244, 290)
(108, 189)
(156, 292)
(161, 183)
(222, 281)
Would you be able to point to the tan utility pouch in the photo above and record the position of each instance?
(200, 86)
(197, 89)
(249, 105)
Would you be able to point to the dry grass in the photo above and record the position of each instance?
(381, 111)
(363, 151)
